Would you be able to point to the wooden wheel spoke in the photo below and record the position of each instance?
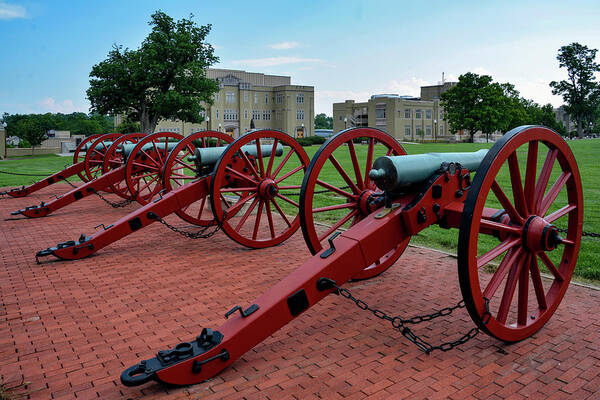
(292, 202)
(244, 218)
(498, 226)
(282, 163)
(257, 221)
(369, 163)
(270, 219)
(517, 185)
(553, 192)
(224, 200)
(335, 207)
(239, 189)
(281, 213)
(201, 208)
(538, 286)
(550, 265)
(249, 164)
(335, 189)
(357, 173)
(157, 165)
(271, 158)
(530, 174)
(240, 175)
(185, 165)
(290, 173)
(508, 207)
(540, 187)
(501, 272)
(157, 152)
(233, 210)
(509, 289)
(335, 226)
(148, 183)
(523, 292)
(261, 163)
(507, 244)
(561, 212)
(344, 175)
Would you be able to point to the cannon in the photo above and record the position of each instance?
(82, 165)
(130, 167)
(511, 220)
(244, 186)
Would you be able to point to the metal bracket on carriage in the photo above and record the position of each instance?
(146, 370)
(33, 210)
(17, 192)
(78, 245)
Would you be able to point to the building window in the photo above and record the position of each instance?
(255, 98)
(217, 113)
(428, 130)
(278, 115)
(380, 113)
(256, 115)
(441, 130)
(300, 115)
(340, 117)
(428, 114)
(267, 115)
(418, 114)
(299, 98)
(419, 130)
(229, 97)
(406, 130)
(266, 99)
(441, 114)
(245, 114)
(279, 98)
(230, 115)
(245, 97)
(202, 113)
(217, 96)
(407, 113)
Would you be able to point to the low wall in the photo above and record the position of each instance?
(15, 152)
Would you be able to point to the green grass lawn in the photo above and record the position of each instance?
(586, 152)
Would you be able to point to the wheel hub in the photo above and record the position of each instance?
(268, 189)
(539, 235)
(364, 201)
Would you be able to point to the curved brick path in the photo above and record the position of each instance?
(71, 327)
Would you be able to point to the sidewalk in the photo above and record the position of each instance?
(71, 328)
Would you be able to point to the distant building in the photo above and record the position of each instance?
(324, 132)
(248, 100)
(562, 116)
(404, 117)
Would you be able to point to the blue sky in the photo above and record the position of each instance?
(346, 49)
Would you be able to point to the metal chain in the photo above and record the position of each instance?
(201, 234)
(117, 204)
(400, 323)
(19, 174)
(583, 233)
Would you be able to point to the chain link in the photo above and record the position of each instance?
(583, 233)
(400, 323)
(201, 234)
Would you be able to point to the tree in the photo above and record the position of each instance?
(475, 103)
(32, 131)
(129, 126)
(164, 79)
(322, 121)
(581, 91)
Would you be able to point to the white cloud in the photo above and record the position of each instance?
(273, 61)
(284, 45)
(65, 106)
(11, 11)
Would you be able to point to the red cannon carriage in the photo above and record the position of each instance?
(509, 213)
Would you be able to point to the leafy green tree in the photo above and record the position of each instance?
(164, 79)
(581, 91)
(476, 103)
(129, 126)
(322, 121)
(32, 131)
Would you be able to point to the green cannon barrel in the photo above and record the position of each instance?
(99, 146)
(127, 148)
(209, 155)
(391, 173)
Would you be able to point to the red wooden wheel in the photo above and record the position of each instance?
(527, 230)
(179, 171)
(80, 152)
(94, 157)
(340, 198)
(114, 159)
(144, 166)
(256, 193)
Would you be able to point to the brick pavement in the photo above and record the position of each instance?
(70, 328)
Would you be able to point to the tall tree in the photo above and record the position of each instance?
(476, 103)
(33, 131)
(581, 91)
(164, 79)
(322, 121)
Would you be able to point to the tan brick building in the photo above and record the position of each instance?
(249, 98)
